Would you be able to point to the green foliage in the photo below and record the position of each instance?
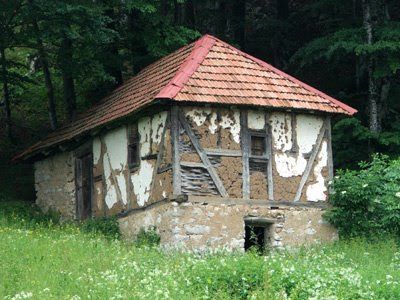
(148, 237)
(106, 226)
(24, 215)
(56, 262)
(367, 202)
(353, 142)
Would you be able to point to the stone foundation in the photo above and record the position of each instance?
(55, 184)
(197, 226)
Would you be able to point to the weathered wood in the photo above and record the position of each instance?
(203, 156)
(222, 152)
(190, 164)
(164, 169)
(176, 170)
(244, 138)
(256, 202)
(259, 221)
(329, 141)
(270, 176)
(293, 124)
(311, 160)
(159, 156)
(197, 181)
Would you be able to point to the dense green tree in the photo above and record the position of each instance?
(77, 51)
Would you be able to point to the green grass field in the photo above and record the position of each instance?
(41, 260)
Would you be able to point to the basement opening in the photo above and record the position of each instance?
(258, 233)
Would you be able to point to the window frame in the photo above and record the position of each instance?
(133, 141)
(258, 134)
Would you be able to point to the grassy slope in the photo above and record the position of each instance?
(46, 261)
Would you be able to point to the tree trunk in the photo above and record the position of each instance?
(114, 69)
(220, 23)
(46, 72)
(164, 7)
(177, 13)
(69, 94)
(6, 94)
(373, 95)
(190, 20)
(385, 89)
(239, 19)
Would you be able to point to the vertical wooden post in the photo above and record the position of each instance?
(270, 156)
(330, 153)
(246, 152)
(176, 169)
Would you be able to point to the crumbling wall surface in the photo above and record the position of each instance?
(195, 226)
(230, 170)
(118, 188)
(292, 144)
(217, 129)
(55, 184)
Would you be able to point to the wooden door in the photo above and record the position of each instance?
(84, 183)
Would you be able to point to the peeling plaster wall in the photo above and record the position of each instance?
(119, 187)
(55, 184)
(292, 137)
(115, 162)
(216, 127)
(195, 226)
(290, 156)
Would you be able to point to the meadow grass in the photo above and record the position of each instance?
(41, 259)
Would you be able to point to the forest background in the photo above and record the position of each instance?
(57, 58)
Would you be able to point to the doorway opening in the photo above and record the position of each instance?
(84, 183)
(258, 232)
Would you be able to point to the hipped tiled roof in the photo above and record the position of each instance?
(206, 71)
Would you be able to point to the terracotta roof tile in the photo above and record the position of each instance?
(208, 71)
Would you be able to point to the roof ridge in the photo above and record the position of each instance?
(264, 64)
(192, 62)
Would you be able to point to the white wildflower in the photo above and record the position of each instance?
(344, 192)
(22, 295)
(397, 194)
(365, 185)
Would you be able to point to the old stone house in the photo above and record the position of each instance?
(208, 144)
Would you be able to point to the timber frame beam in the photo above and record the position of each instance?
(202, 154)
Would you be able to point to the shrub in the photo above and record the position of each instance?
(25, 214)
(367, 202)
(148, 237)
(107, 226)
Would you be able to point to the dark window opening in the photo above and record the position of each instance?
(258, 145)
(133, 147)
(257, 237)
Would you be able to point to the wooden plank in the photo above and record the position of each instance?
(293, 125)
(176, 170)
(270, 176)
(259, 221)
(244, 138)
(192, 164)
(311, 160)
(256, 202)
(329, 140)
(222, 152)
(159, 156)
(203, 156)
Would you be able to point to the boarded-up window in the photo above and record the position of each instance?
(258, 145)
(133, 146)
